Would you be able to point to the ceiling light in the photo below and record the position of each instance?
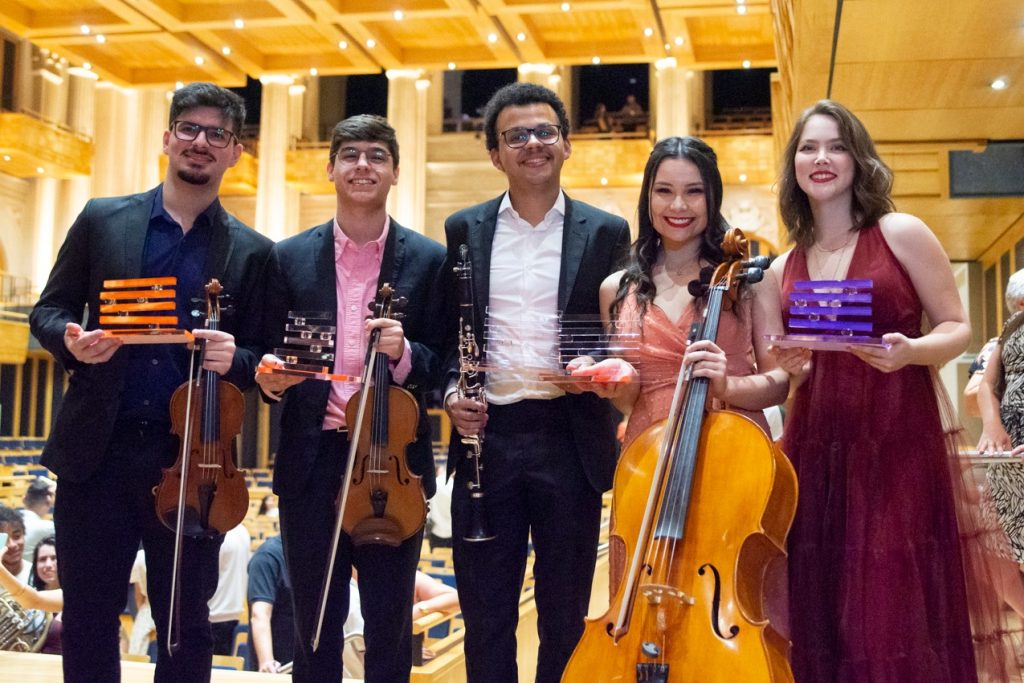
(84, 28)
(398, 15)
(565, 7)
(225, 50)
(199, 61)
(520, 36)
(667, 47)
(746, 63)
(604, 181)
(1000, 83)
(7, 157)
(451, 66)
(595, 60)
(178, 85)
(679, 40)
(371, 43)
(87, 66)
(100, 38)
(648, 31)
(40, 170)
(743, 177)
(239, 23)
(342, 45)
(740, 2)
(313, 71)
(492, 37)
(741, 9)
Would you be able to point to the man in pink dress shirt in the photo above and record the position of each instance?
(338, 267)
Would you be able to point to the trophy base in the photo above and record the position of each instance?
(824, 342)
(146, 336)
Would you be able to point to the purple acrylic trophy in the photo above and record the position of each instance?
(829, 315)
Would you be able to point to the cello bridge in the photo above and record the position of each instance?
(208, 466)
(657, 594)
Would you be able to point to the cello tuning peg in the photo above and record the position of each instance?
(752, 275)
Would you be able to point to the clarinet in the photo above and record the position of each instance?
(470, 386)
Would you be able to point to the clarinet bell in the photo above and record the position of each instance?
(478, 531)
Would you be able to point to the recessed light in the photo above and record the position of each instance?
(313, 71)
(565, 7)
(604, 181)
(746, 63)
(199, 60)
(178, 85)
(239, 23)
(595, 60)
(40, 170)
(741, 9)
(679, 40)
(84, 28)
(100, 38)
(225, 50)
(520, 36)
(1000, 83)
(371, 43)
(398, 15)
(451, 66)
(648, 32)
(87, 66)
(7, 157)
(492, 37)
(743, 177)
(342, 45)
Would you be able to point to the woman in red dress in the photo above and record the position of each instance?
(878, 580)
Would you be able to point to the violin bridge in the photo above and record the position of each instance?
(208, 466)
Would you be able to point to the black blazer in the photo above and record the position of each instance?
(300, 275)
(594, 244)
(106, 242)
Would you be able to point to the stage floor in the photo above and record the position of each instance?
(33, 668)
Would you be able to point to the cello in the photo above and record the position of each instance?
(703, 501)
(203, 494)
(381, 500)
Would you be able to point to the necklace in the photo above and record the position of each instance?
(824, 267)
(849, 236)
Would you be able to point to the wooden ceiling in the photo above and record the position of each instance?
(162, 41)
(918, 72)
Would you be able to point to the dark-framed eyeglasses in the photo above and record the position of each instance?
(375, 156)
(518, 137)
(215, 135)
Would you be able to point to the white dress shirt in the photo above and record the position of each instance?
(522, 313)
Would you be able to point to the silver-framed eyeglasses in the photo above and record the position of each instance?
(518, 137)
(375, 156)
(216, 136)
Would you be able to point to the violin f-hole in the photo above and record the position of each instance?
(716, 602)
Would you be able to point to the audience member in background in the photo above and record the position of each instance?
(439, 516)
(632, 115)
(143, 626)
(228, 601)
(40, 597)
(268, 506)
(602, 119)
(271, 621)
(38, 501)
(12, 558)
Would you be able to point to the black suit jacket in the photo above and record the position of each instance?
(106, 242)
(300, 275)
(594, 243)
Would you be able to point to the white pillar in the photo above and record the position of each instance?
(276, 203)
(311, 110)
(75, 192)
(672, 110)
(407, 114)
(555, 78)
(117, 141)
(435, 103)
(153, 108)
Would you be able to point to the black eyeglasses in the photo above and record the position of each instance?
(215, 135)
(375, 156)
(518, 137)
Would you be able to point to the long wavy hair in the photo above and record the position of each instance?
(637, 278)
(872, 179)
(35, 580)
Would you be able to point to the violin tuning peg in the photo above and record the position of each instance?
(398, 316)
(399, 302)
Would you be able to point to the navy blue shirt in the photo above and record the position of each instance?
(156, 370)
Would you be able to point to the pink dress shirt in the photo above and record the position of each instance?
(356, 270)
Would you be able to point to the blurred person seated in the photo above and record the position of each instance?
(41, 600)
(228, 600)
(38, 502)
(268, 506)
(602, 119)
(271, 620)
(439, 512)
(13, 559)
(632, 116)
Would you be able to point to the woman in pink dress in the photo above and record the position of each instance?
(680, 234)
(877, 576)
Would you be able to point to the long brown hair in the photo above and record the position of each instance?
(872, 179)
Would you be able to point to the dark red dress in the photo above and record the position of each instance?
(876, 583)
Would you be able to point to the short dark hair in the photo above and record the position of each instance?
(518, 95)
(37, 491)
(10, 516)
(365, 128)
(195, 95)
(35, 580)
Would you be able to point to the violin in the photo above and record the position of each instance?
(381, 500)
(203, 494)
(702, 503)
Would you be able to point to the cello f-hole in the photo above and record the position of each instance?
(716, 603)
